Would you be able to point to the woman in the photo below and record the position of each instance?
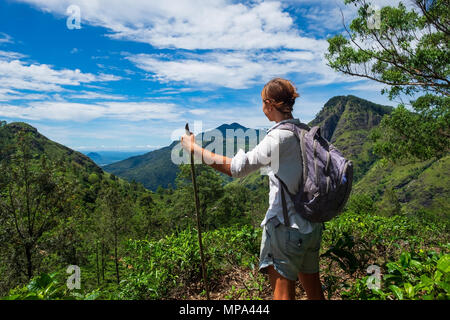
(288, 252)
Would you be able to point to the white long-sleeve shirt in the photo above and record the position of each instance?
(278, 153)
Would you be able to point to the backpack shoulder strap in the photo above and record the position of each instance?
(313, 131)
(283, 201)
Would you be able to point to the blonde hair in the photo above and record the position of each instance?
(281, 93)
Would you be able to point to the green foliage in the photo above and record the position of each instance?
(415, 275)
(407, 64)
(47, 287)
(156, 267)
(344, 250)
(34, 195)
(389, 205)
(357, 239)
(361, 204)
(93, 178)
(423, 134)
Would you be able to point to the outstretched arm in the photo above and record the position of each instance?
(216, 161)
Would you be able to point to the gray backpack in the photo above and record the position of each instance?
(327, 176)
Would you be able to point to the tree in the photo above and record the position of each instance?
(34, 197)
(114, 212)
(210, 189)
(409, 52)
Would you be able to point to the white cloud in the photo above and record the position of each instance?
(10, 55)
(246, 43)
(135, 111)
(190, 24)
(16, 74)
(62, 111)
(368, 86)
(53, 111)
(92, 95)
(5, 38)
(235, 69)
(9, 95)
(199, 112)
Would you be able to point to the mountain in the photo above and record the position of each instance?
(156, 168)
(152, 169)
(42, 145)
(344, 120)
(103, 158)
(96, 157)
(233, 126)
(88, 176)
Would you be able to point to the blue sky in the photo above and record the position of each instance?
(136, 71)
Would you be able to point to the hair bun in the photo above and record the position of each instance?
(282, 92)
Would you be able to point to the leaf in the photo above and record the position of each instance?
(437, 276)
(40, 282)
(416, 264)
(92, 296)
(409, 289)
(12, 297)
(443, 264)
(425, 284)
(405, 259)
(444, 285)
(392, 266)
(396, 291)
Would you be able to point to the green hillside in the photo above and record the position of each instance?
(409, 187)
(54, 201)
(152, 169)
(42, 145)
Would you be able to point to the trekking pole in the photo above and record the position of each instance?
(197, 213)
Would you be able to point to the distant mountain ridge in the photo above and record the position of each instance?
(152, 169)
(156, 168)
(233, 126)
(103, 158)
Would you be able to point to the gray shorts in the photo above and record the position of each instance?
(289, 250)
